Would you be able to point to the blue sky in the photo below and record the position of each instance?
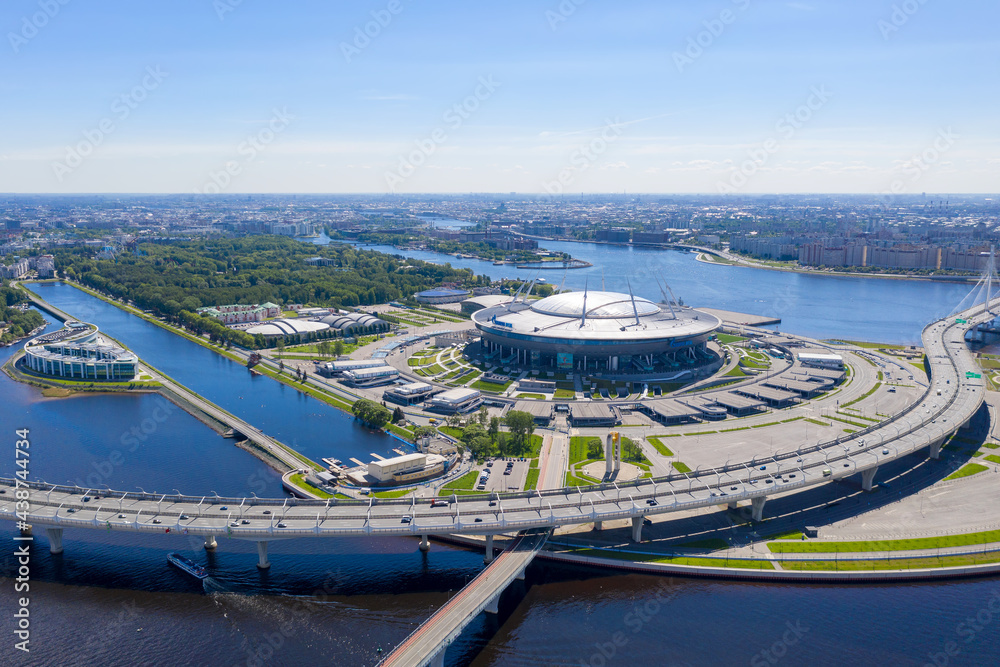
(258, 96)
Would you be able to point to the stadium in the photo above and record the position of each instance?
(596, 331)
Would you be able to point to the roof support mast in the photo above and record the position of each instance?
(583, 317)
(666, 299)
(635, 310)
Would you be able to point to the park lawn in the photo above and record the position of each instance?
(887, 545)
(967, 471)
(537, 397)
(895, 564)
(660, 448)
(466, 481)
(490, 387)
(565, 393)
(578, 448)
(395, 493)
(729, 338)
(453, 431)
(427, 371)
(736, 372)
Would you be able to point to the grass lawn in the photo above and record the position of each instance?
(729, 338)
(298, 479)
(848, 421)
(896, 564)
(816, 421)
(966, 471)
(680, 467)
(660, 448)
(466, 482)
(992, 458)
(537, 397)
(490, 387)
(578, 448)
(736, 372)
(887, 545)
(677, 560)
(790, 535)
(565, 393)
(531, 481)
(453, 431)
(395, 493)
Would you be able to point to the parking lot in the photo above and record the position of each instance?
(498, 481)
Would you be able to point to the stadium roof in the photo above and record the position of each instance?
(284, 327)
(443, 292)
(600, 305)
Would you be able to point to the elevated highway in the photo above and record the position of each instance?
(427, 644)
(951, 399)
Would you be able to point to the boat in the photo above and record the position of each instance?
(188, 565)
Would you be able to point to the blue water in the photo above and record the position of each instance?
(818, 306)
(304, 423)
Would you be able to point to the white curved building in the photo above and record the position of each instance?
(596, 331)
(78, 351)
(287, 328)
(348, 323)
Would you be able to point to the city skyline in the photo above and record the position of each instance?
(737, 96)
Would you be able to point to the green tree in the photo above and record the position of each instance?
(338, 347)
(397, 415)
(484, 415)
(371, 413)
(521, 425)
(595, 449)
(494, 429)
(480, 447)
(280, 344)
(631, 451)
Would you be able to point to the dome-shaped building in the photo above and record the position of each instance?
(596, 331)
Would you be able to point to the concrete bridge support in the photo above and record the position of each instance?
(425, 545)
(757, 508)
(733, 505)
(210, 543)
(55, 540)
(637, 528)
(438, 659)
(488, 556)
(598, 525)
(494, 605)
(867, 478)
(262, 561)
(935, 450)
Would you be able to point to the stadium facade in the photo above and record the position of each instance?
(596, 331)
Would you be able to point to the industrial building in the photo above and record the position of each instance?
(596, 331)
(408, 394)
(334, 368)
(834, 361)
(456, 400)
(371, 377)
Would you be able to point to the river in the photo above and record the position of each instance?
(111, 598)
(818, 306)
